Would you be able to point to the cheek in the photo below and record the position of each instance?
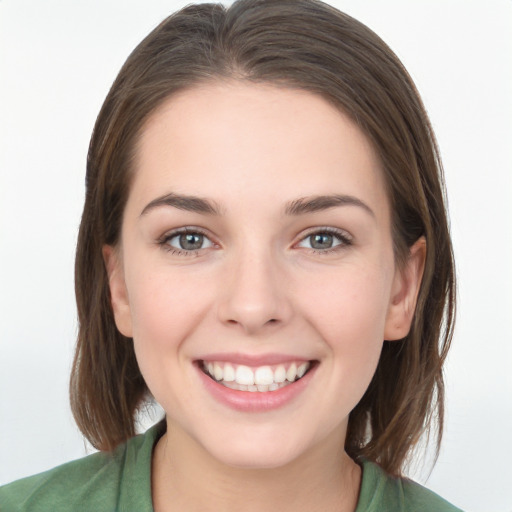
(165, 309)
(351, 300)
(348, 309)
(165, 306)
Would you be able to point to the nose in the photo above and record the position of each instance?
(254, 295)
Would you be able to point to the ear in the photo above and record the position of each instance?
(118, 292)
(406, 285)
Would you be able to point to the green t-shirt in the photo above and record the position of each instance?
(121, 481)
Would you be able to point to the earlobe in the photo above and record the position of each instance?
(406, 285)
(118, 291)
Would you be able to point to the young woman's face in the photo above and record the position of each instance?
(256, 248)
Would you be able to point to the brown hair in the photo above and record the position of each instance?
(302, 44)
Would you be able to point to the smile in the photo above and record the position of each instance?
(255, 379)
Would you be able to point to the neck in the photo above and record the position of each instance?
(187, 478)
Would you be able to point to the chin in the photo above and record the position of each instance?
(256, 458)
(256, 450)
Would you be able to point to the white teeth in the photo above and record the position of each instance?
(218, 373)
(301, 370)
(264, 376)
(234, 385)
(291, 374)
(280, 374)
(262, 379)
(229, 373)
(244, 375)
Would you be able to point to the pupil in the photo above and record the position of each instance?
(321, 241)
(191, 241)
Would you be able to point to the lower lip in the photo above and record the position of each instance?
(256, 401)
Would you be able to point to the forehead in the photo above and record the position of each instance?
(234, 141)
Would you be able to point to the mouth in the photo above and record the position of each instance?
(260, 379)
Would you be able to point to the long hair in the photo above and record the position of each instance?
(302, 44)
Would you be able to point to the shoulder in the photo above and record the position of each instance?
(419, 498)
(86, 480)
(381, 492)
(101, 482)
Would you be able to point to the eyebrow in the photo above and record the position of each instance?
(184, 202)
(299, 206)
(324, 202)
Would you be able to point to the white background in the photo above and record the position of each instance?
(57, 61)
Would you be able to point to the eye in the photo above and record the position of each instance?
(326, 240)
(186, 241)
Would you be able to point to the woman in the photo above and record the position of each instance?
(264, 250)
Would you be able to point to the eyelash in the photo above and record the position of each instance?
(343, 237)
(345, 240)
(165, 239)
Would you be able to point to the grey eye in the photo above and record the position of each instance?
(321, 241)
(324, 240)
(189, 241)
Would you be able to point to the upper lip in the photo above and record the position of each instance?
(253, 359)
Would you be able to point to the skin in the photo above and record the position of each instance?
(258, 286)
